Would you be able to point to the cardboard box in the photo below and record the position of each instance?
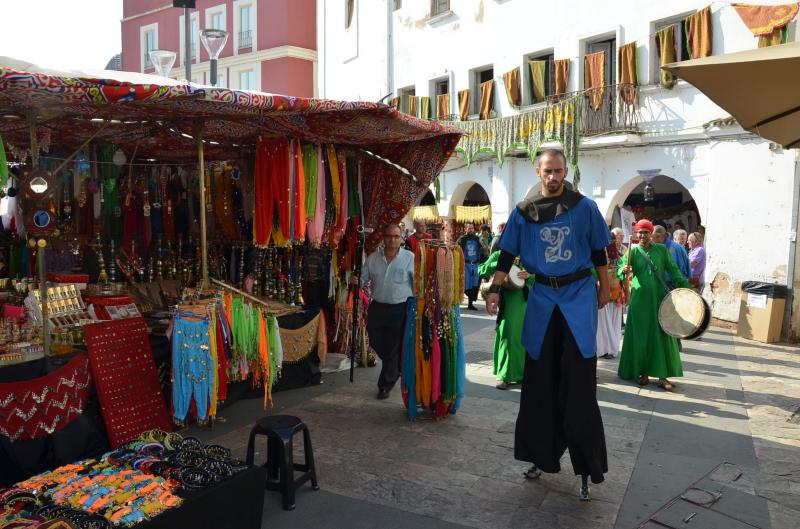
(760, 317)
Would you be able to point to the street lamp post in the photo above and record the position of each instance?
(213, 41)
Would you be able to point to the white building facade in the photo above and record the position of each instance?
(745, 188)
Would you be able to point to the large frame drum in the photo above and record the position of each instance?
(684, 314)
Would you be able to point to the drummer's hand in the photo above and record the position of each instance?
(603, 297)
(492, 303)
(523, 274)
(626, 269)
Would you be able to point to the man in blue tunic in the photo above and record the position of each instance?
(677, 251)
(471, 246)
(560, 237)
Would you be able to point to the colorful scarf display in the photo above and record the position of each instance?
(433, 363)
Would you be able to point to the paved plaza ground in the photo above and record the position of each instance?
(722, 450)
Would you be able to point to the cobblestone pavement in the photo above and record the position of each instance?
(734, 405)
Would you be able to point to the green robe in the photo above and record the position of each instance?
(509, 354)
(646, 349)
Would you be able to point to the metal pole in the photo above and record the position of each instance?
(41, 243)
(213, 72)
(203, 240)
(187, 43)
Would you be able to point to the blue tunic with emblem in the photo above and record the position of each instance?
(559, 247)
(472, 252)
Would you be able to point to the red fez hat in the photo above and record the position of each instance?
(643, 224)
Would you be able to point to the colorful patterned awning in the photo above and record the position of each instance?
(161, 118)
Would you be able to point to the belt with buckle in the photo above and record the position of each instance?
(560, 281)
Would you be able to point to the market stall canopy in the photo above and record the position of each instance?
(159, 116)
(758, 87)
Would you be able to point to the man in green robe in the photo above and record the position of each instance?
(646, 349)
(509, 354)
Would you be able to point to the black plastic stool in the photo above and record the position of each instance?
(280, 465)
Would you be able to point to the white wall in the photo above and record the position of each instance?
(352, 61)
(743, 190)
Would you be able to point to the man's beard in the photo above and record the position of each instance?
(554, 186)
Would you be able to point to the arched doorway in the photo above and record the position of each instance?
(426, 211)
(469, 204)
(427, 199)
(667, 201)
(476, 196)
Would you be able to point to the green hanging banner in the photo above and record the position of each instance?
(3, 165)
(527, 131)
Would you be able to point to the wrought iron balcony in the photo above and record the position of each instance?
(612, 108)
(246, 39)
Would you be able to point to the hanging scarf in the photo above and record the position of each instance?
(316, 225)
(310, 175)
(109, 176)
(3, 165)
(341, 222)
(300, 198)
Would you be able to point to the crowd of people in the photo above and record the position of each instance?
(559, 283)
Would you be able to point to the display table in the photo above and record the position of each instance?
(236, 503)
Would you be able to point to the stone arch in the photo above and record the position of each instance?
(470, 193)
(426, 199)
(636, 184)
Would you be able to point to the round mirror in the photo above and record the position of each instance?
(38, 185)
(41, 218)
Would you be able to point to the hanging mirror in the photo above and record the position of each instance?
(41, 219)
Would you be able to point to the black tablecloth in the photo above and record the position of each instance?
(236, 503)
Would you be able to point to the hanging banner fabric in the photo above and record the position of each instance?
(426, 213)
(473, 214)
(527, 131)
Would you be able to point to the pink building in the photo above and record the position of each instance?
(272, 44)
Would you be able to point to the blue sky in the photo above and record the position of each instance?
(61, 34)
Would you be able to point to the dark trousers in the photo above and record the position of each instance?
(385, 325)
(558, 407)
(472, 294)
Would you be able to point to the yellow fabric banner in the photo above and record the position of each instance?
(628, 78)
(463, 104)
(511, 82)
(537, 80)
(425, 107)
(443, 106)
(665, 44)
(473, 214)
(594, 67)
(698, 33)
(426, 213)
(487, 98)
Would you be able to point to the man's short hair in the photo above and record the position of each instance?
(550, 152)
(617, 231)
(485, 227)
(390, 225)
(659, 230)
(678, 233)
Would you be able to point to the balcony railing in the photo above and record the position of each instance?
(615, 108)
(246, 39)
(612, 108)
